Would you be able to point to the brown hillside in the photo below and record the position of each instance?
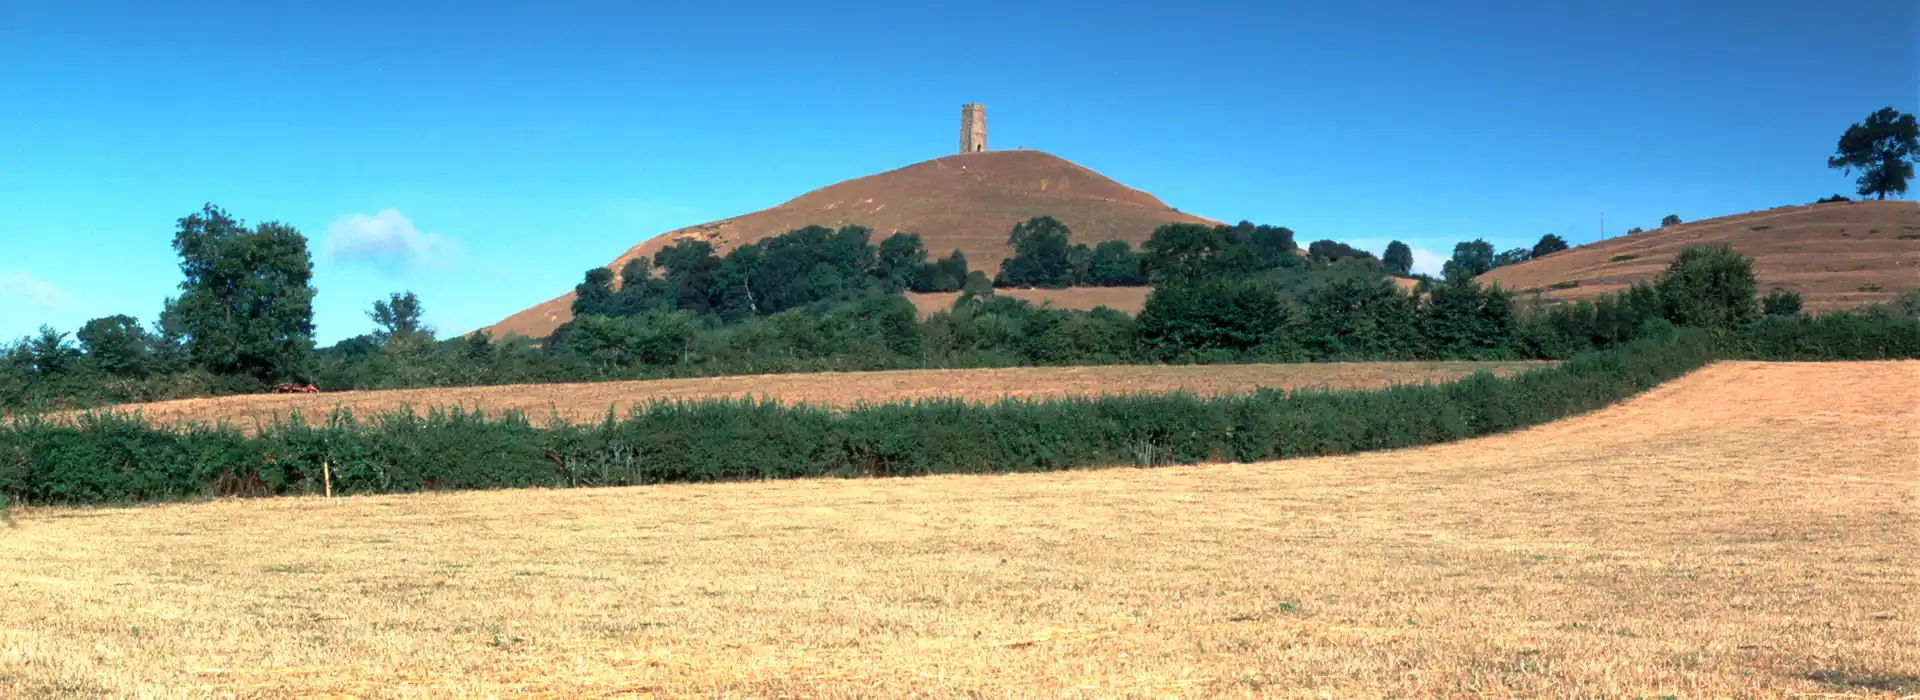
(966, 202)
(1836, 255)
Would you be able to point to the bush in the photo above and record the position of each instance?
(1709, 287)
(109, 459)
(1780, 302)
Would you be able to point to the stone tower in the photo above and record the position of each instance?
(973, 128)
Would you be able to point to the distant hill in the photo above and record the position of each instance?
(966, 202)
(1837, 255)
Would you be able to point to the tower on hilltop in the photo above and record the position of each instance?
(973, 127)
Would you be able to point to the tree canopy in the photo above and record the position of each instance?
(1883, 149)
(247, 302)
(1548, 245)
(1398, 259)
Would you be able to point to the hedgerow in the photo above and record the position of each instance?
(105, 458)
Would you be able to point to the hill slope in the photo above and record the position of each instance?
(966, 202)
(1836, 255)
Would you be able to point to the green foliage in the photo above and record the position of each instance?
(1327, 252)
(1780, 302)
(899, 260)
(1709, 287)
(246, 305)
(1115, 265)
(1194, 251)
(1183, 317)
(398, 317)
(117, 345)
(594, 295)
(1040, 256)
(107, 459)
(1462, 319)
(1668, 220)
(1512, 256)
(1398, 259)
(1548, 245)
(1834, 198)
(1470, 258)
(1883, 148)
(948, 274)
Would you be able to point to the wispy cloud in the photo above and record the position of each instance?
(1427, 262)
(35, 291)
(388, 240)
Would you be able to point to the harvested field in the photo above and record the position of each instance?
(1748, 529)
(1124, 299)
(590, 401)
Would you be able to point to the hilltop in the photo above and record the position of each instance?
(1836, 255)
(964, 202)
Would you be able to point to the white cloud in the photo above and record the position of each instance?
(1427, 262)
(37, 292)
(388, 240)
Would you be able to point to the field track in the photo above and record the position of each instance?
(590, 401)
(1748, 529)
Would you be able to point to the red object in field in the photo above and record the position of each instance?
(285, 388)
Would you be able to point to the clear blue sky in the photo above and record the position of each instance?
(484, 156)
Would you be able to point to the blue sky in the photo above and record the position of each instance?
(483, 156)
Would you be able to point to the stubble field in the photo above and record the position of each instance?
(1750, 528)
(590, 401)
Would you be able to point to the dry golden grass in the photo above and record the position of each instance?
(1124, 299)
(590, 401)
(1837, 256)
(1741, 530)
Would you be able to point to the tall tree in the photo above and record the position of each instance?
(1548, 245)
(117, 345)
(1883, 148)
(1398, 259)
(1042, 255)
(899, 260)
(398, 317)
(247, 302)
(593, 296)
(1470, 258)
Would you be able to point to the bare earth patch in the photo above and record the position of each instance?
(1750, 528)
(591, 401)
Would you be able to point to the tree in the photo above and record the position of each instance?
(247, 302)
(1548, 245)
(593, 296)
(49, 352)
(1470, 258)
(947, 274)
(1708, 287)
(1219, 313)
(1330, 251)
(1041, 255)
(1398, 259)
(1669, 220)
(1512, 256)
(899, 261)
(117, 345)
(1883, 148)
(1180, 251)
(1780, 302)
(1115, 265)
(399, 318)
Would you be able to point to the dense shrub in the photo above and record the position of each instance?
(108, 459)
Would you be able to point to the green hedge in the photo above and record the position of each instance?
(117, 459)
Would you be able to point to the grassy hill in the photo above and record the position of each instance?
(965, 202)
(1836, 255)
